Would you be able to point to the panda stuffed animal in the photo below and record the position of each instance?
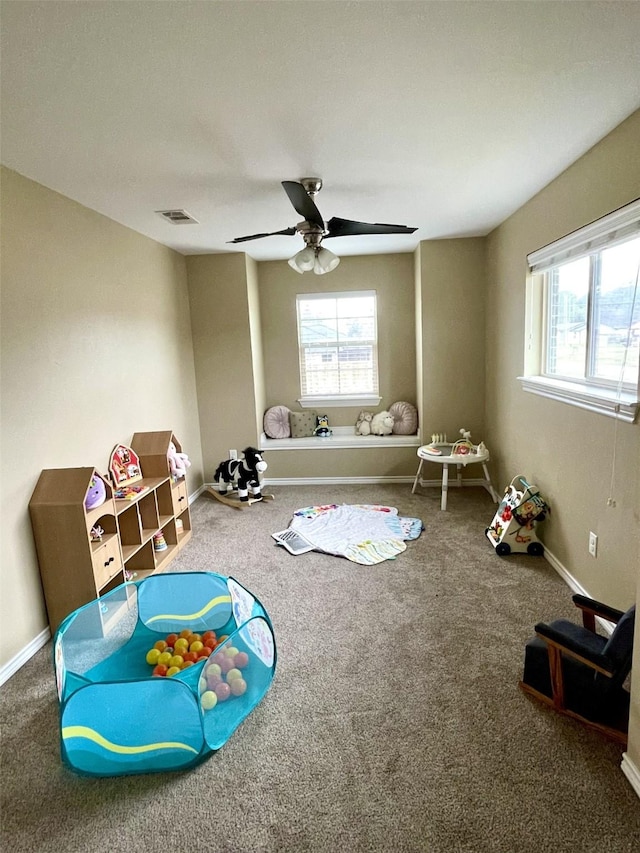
(243, 474)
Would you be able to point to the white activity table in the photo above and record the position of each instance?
(445, 459)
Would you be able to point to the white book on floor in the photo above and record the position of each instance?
(294, 542)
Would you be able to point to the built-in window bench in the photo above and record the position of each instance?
(342, 437)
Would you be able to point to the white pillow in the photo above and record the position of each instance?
(405, 418)
(276, 422)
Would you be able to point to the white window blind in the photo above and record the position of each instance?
(338, 348)
(615, 227)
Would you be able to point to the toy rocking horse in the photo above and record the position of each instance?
(240, 475)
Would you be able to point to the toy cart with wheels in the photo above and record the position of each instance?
(513, 529)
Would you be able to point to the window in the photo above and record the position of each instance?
(337, 344)
(583, 317)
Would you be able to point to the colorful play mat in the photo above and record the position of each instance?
(363, 533)
(157, 674)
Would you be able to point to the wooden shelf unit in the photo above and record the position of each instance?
(73, 568)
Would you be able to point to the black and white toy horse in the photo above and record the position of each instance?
(241, 474)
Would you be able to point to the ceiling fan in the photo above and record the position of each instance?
(314, 230)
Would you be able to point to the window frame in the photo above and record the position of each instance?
(595, 394)
(314, 401)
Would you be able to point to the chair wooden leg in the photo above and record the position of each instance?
(555, 670)
(616, 735)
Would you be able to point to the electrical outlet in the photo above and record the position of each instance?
(593, 544)
(233, 454)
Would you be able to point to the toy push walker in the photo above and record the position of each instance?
(513, 529)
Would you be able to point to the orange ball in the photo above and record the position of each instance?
(160, 645)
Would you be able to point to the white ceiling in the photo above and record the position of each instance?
(447, 116)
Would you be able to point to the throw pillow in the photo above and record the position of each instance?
(276, 422)
(405, 418)
(302, 424)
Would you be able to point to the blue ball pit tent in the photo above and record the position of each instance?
(116, 716)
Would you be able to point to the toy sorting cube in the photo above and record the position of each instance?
(116, 716)
(513, 529)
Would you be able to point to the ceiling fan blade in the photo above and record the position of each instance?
(288, 231)
(303, 203)
(337, 227)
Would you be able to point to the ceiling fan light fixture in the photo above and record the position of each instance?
(304, 260)
(325, 261)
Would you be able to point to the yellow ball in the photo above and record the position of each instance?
(172, 670)
(208, 700)
(164, 658)
(152, 656)
(176, 660)
(196, 646)
(233, 673)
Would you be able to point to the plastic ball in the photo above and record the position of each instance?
(160, 669)
(238, 686)
(171, 640)
(241, 660)
(165, 657)
(213, 681)
(213, 669)
(222, 691)
(232, 674)
(173, 670)
(160, 645)
(152, 656)
(196, 646)
(208, 700)
(176, 660)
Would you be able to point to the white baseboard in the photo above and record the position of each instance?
(334, 481)
(631, 772)
(363, 481)
(19, 660)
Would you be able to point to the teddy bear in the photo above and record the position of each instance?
(363, 424)
(178, 462)
(382, 423)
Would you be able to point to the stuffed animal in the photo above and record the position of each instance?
(363, 424)
(241, 474)
(178, 462)
(322, 427)
(382, 423)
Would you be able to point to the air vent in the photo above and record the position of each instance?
(177, 217)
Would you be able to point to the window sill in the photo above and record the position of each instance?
(342, 438)
(334, 402)
(623, 405)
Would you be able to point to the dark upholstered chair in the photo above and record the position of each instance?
(580, 673)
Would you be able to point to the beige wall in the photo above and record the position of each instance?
(567, 452)
(96, 345)
(222, 292)
(452, 285)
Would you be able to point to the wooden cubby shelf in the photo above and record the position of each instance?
(74, 568)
